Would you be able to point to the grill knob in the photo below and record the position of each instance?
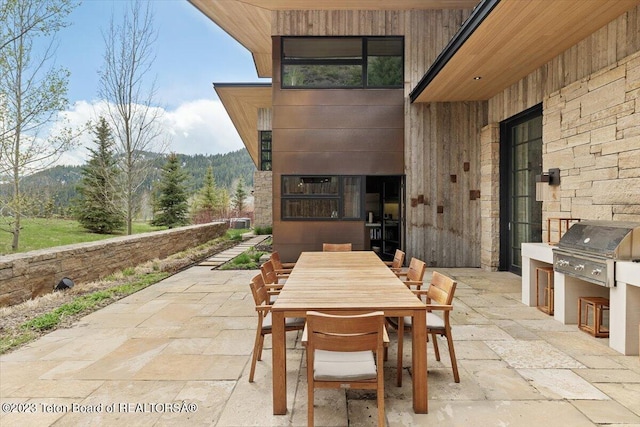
(579, 267)
(597, 272)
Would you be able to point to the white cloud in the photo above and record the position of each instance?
(201, 127)
(194, 127)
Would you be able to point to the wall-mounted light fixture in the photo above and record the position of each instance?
(544, 181)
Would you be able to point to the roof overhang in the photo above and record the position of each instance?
(242, 102)
(249, 21)
(503, 41)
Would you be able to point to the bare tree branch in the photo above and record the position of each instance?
(31, 95)
(130, 96)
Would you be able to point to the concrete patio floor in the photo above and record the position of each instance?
(178, 353)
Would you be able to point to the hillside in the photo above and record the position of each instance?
(56, 187)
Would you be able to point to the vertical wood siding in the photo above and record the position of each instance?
(440, 138)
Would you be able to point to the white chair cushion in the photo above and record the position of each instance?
(433, 321)
(288, 321)
(344, 366)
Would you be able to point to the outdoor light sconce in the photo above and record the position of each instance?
(544, 181)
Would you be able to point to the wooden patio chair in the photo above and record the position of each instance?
(398, 261)
(262, 298)
(438, 297)
(414, 274)
(345, 352)
(270, 276)
(282, 270)
(336, 247)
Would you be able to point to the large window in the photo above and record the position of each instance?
(321, 197)
(342, 62)
(265, 150)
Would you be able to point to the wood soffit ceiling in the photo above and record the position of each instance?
(249, 21)
(515, 39)
(242, 102)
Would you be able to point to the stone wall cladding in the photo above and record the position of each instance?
(263, 198)
(27, 275)
(490, 197)
(592, 133)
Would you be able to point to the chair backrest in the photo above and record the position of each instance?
(345, 333)
(275, 259)
(336, 247)
(268, 273)
(259, 290)
(441, 289)
(416, 270)
(398, 259)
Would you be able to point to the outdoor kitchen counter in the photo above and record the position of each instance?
(624, 311)
(624, 298)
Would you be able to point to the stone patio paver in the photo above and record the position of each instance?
(178, 353)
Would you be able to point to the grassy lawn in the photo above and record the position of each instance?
(40, 233)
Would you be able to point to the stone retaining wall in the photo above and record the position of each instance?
(28, 275)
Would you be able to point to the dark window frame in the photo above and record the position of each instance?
(363, 62)
(339, 197)
(266, 164)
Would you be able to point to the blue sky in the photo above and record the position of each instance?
(192, 52)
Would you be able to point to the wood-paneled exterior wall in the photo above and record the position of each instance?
(439, 149)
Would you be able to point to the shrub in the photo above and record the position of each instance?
(248, 260)
(262, 230)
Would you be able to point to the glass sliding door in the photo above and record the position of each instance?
(521, 161)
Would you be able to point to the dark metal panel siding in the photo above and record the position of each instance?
(344, 163)
(333, 140)
(293, 237)
(315, 97)
(338, 117)
(333, 132)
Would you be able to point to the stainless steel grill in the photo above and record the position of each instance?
(589, 250)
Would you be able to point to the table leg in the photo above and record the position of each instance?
(279, 356)
(419, 361)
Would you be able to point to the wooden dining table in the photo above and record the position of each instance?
(346, 283)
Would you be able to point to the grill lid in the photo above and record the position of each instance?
(612, 239)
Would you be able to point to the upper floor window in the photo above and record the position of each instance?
(342, 62)
(265, 150)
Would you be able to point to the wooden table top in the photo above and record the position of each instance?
(344, 281)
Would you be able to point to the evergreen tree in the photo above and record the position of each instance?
(208, 197)
(207, 204)
(97, 208)
(238, 197)
(224, 203)
(172, 201)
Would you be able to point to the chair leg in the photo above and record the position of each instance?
(310, 393)
(435, 346)
(260, 346)
(257, 354)
(400, 350)
(452, 355)
(381, 422)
